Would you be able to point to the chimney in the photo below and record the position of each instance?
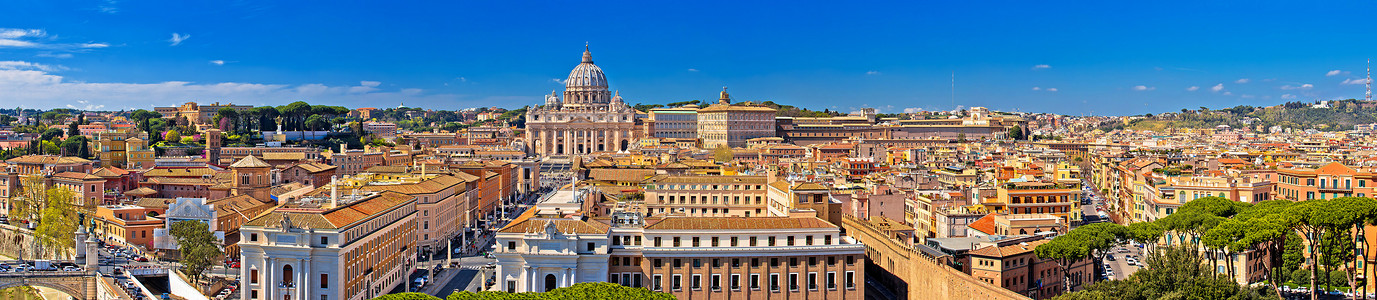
(334, 191)
(341, 148)
(423, 171)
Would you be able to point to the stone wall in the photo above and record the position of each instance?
(15, 241)
(922, 277)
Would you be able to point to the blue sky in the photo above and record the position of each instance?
(1071, 57)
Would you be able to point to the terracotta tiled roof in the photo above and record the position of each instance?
(429, 186)
(1007, 251)
(77, 176)
(250, 162)
(315, 167)
(143, 191)
(985, 224)
(562, 225)
(738, 223)
(155, 202)
(236, 205)
(48, 160)
(335, 218)
(1336, 169)
(181, 181)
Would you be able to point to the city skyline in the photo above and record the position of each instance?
(1059, 58)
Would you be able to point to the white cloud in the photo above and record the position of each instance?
(1051, 89)
(692, 70)
(14, 33)
(1193, 88)
(178, 38)
(1143, 88)
(1288, 96)
(365, 87)
(86, 107)
(1216, 88)
(54, 55)
(217, 62)
(1298, 87)
(872, 72)
(1241, 80)
(1355, 81)
(95, 45)
(1037, 88)
(1228, 93)
(557, 80)
(1039, 67)
(24, 65)
(1336, 73)
(38, 39)
(1246, 96)
(910, 110)
(29, 86)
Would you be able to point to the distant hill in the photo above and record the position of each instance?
(1335, 115)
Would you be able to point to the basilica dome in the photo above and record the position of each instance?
(586, 76)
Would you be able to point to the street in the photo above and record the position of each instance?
(473, 265)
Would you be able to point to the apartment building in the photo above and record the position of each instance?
(1060, 199)
(345, 248)
(705, 196)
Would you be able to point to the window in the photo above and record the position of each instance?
(695, 241)
(793, 281)
(511, 245)
(324, 281)
(774, 282)
(626, 279)
(657, 263)
(736, 262)
(654, 282)
(253, 294)
(590, 247)
(831, 280)
(772, 241)
(716, 263)
(793, 261)
(789, 241)
(808, 240)
(253, 277)
(831, 260)
(697, 263)
(636, 280)
(752, 241)
(697, 283)
(511, 286)
(714, 241)
(253, 237)
(850, 280)
(716, 282)
(675, 282)
(676, 263)
(676, 241)
(324, 240)
(774, 261)
(755, 281)
(812, 261)
(755, 262)
(850, 260)
(657, 241)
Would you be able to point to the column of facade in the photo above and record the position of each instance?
(305, 286)
(568, 277)
(270, 288)
(545, 142)
(568, 141)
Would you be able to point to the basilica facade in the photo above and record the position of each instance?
(587, 118)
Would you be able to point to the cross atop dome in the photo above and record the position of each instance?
(587, 56)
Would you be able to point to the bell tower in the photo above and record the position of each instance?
(251, 178)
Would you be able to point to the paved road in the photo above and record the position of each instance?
(1120, 263)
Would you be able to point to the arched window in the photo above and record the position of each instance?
(550, 282)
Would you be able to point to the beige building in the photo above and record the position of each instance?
(727, 124)
(588, 119)
(676, 123)
(706, 196)
(198, 114)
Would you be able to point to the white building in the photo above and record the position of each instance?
(314, 249)
(542, 254)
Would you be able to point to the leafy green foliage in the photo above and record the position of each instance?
(197, 246)
(1172, 273)
(1015, 133)
(56, 228)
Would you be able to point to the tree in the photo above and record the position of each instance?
(172, 136)
(1066, 250)
(56, 230)
(73, 129)
(1015, 133)
(230, 118)
(197, 246)
(722, 153)
(77, 146)
(51, 134)
(1171, 273)
(316, 122)
(585, 290)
